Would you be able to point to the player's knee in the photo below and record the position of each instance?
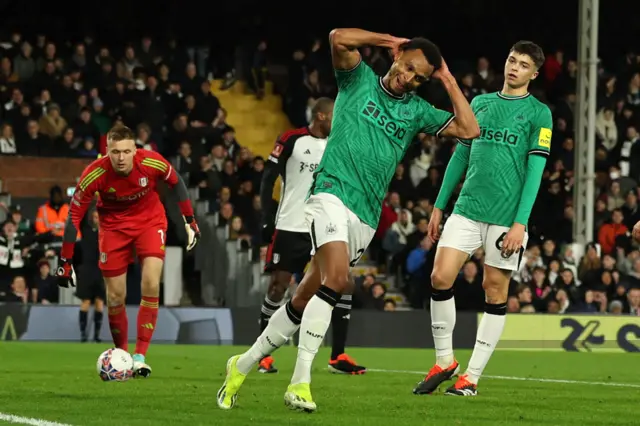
(150, 286)
(115, 296)
(278, 287)
(495, 292)
(338, 282)
(299, 301)
(99, 305)
(440, 280)
(85, 305)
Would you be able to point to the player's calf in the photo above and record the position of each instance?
(147, 313)
(340, 362)
(272, 301)
(116, 283)
(496, 287)
(333, 261)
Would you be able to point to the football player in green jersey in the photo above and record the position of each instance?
(375, 120)
(504, 167)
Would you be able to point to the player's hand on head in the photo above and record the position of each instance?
(65, 274)
(433, 229)
(193, 232)
(513, 240)
(395, 45)
(442, 72)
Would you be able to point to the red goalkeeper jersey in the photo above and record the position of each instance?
(125, 202)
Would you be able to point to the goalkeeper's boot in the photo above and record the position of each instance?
(436, 376)
(344, 364)
(140, 367)
(463, 387)
(298, 397)
(228, 393)
(266, 365)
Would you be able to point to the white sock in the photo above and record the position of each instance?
(487, 338)
(315, 322)
(443, 321)
(279, 329)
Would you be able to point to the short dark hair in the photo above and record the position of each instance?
(120, 133)
(429, 49)
(322, 105)
(534, 51)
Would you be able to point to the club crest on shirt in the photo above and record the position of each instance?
(143, 181)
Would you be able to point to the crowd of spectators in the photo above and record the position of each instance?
(59, 99)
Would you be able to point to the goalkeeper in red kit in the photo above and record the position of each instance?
(132, 221)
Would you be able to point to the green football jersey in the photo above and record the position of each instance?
(370, 133)
(511, 129)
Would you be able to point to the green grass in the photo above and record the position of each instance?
(58, 382)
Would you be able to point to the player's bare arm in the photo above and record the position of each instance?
(346, 41)
(464, 125)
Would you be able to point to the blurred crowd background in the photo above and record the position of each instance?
(214, 110)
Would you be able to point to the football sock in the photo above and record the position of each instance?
(119, 326)
(83, 322)
(340, 325)
(97, 324)
(443, 321)
(269, 307)
(282, 325)
(489, 332)
(147, 317)
(314, 325)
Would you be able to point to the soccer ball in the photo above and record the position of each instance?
(115, 365)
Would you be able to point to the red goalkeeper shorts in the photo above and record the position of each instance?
(118, 247)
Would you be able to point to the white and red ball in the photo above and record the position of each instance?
(115, 365)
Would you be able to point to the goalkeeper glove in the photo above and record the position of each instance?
(193, 232)
(65, 273)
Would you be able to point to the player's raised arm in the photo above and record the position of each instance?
(464, 124)
(164, 171)
(346, 41)
(82, 198)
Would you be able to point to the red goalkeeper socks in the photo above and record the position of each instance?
(147, 317)
(119, 326)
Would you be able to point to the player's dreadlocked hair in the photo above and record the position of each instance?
(120, 133)
(429, 49)
(531, 49)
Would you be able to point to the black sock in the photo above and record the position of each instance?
(97, 323)
(83, 322)
(269, 307)
(340, 325)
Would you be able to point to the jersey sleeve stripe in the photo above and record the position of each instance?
(463, 142)
(168, 173)
(445, 125)
(159, 165)
(540, 152)
(91, 177)
(154, 161)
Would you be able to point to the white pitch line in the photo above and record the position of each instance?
(28, 420)
(523, 379)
